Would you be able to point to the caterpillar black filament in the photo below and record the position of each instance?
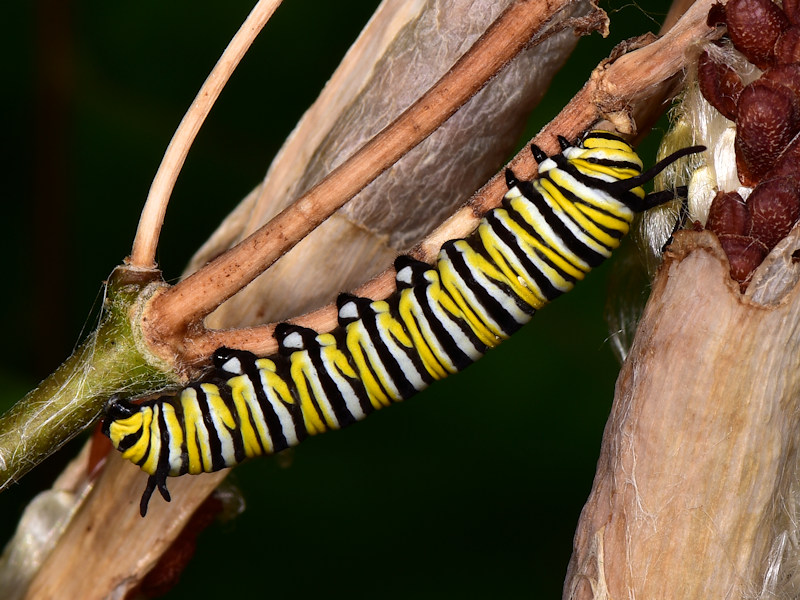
(547, 235)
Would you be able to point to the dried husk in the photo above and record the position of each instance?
(696, 487)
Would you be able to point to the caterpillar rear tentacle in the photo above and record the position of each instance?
(547, 235)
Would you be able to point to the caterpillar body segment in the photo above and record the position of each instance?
(545, 237)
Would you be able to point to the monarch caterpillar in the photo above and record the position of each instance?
(547, 235)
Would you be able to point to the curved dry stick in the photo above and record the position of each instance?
(147, 233)
(178, 311)
(614, 87)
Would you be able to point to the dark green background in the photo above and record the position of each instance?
(471, 490)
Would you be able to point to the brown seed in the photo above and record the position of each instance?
(788, 75)
(754, 26)
(716, 15)
(788, 163)
(774, 207)
(787, 48)
(792, 10)
(744, 254)
(719, 84)
(767, 118)
(728, 215)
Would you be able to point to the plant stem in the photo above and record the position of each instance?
(146, 240)
(72, 397)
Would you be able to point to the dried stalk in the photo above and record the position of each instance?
(146, 240)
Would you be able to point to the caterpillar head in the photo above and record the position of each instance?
(127, 425)
(603, 147)
(123, 423)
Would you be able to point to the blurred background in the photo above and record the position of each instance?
(471, 490)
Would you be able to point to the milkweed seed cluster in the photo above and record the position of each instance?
(751, 214)
(547, 235)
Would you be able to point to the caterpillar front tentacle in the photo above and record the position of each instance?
(545, 237)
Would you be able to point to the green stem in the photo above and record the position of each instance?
(110, 360)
